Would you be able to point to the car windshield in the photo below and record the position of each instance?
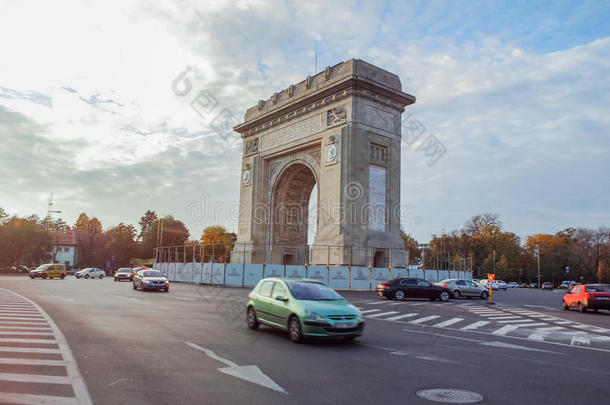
(124, 271)
(152, 274)
(312, 291)
(43, 267)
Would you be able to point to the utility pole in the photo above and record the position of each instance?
(538, 255)
(50, 212)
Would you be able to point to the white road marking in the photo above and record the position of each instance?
(397, 317)
(504, 317)
(564, 322)
(378, 302)
(529, 325)
(580, 340)
(504, 330)
(511, 346)
(475, 325)
(35, 378)
(370, 310)
(20, 315)
(32, 362)
(28, 350)
(37, 399)
(382, 314)
(424, 319)
(249, 373)
(516, 321)
(542, 333)
(448, 322)
(20, 318)
(541, 306)
(2, 322)
(2, 333)
(74, 378)
(25, 327)
(396, 303)
(18, 340)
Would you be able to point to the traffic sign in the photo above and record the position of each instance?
(491, 277)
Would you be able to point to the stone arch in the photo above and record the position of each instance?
(290, 195)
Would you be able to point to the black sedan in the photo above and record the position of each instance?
(403, 288)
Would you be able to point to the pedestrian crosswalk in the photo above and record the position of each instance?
(501, 320)
(36, 365)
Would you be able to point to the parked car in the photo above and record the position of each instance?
(588, 296)
(124, 273)
(90, 272)
(513, 284)
(524, 285)
(463, 288)
(565, 284)
(304, 308)
(485, 284)
(547, 285)
(533, 285)
(50, 270)
(150, 280)
(403, 288)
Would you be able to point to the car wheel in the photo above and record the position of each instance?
(581, 307)
(134, 286)
(388, 296)
(87, 276)
(565, 306)
(484, 295)
(44, 276)
(166, 289)
(251, 319)
(101, 276)
(595, 310)
(444, 296)
(115, 280)
(32, 277)
(62, 276)
(456, 294)
(400, 295)
(294, 330)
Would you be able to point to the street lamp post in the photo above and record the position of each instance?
(538, 256)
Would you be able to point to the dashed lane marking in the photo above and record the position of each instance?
(382, 314)
(475, 325)
(448, 322)
(397, 317)
(424, 319)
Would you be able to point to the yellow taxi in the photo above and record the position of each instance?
(50, 270)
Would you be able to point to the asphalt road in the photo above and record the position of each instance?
(191, 346)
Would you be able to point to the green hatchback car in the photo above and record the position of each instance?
(304, 308)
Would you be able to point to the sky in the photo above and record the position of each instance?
(518, 94)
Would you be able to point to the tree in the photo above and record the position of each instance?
(3, 216)
(23, 241)
(121, 244)
(173, 233)
(147, 222)
(411, 246)
(219, 243)
(90, 230)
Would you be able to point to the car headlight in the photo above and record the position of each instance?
(314, 316)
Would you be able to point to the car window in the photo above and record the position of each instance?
(408, 281)
(576, 290)
(279, 290)
(312, 291)
(460, 282)
(471, 284)
(265, 288)
(152, 274)
(597, 288)
(423, 283)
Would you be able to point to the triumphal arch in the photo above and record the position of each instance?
(340, 131)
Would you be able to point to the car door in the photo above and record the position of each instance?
(426, 289)
(263, 304)
(572, 296)
(461, 286)
(279, 309)
(409, 286)
(473, 289)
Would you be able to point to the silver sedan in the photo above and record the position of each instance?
(464, 288)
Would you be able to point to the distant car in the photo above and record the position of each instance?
(502, 285)
(403, 288)
(533, 285)
(463, 288)
(485, 284)
(588, 296)
(524, 285)
(513, 284)
(150, 280)
(304, 308)
(90, 272)
(547, 285)
(50, 270)
(124, 273)
(565, 284)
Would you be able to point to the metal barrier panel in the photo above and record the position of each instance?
(399, 272)
(188, 272)
(206, 273)
(164, 267)
(417, 273)
(274, 270)
(430, 275)
(339, 277)
(157, 266)
(318, 273)
(234, 274)
(295, 271)
(444, 274)
(454, 274)
(379, 274)
(197, 272)
(361, 278)
(180, 272)
(171, 272)
(253, 274)
(218, 273)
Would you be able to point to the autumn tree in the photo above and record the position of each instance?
(218, 242)
(23, 241)
(90, 230)
(411, 246)
(147, 222)
(120, 241)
